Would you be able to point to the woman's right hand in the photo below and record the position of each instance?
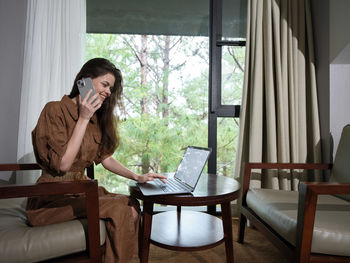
(88, 106)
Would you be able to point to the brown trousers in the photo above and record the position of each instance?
(114, 209)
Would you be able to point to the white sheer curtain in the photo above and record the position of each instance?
(53, 55)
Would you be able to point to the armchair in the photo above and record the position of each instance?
(62, 242)
(311, 225)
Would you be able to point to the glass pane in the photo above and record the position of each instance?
(232, 63)
(234, 19)
(228, 129)
(166, 99)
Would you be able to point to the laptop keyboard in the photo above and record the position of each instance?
(170, 185)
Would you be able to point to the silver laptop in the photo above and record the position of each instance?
(186, 175)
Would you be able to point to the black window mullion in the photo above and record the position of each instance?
(228, 111)
(238, 43)
(214, 78)
(215, 34)
(216, 109)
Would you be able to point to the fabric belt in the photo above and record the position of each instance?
(69, 176)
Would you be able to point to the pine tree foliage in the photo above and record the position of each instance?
(166, 101)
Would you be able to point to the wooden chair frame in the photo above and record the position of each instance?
(308, 193)
(90, 188)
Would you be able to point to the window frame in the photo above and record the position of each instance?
(216, 108)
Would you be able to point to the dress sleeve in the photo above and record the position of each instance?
(101, 155)
(50, 137)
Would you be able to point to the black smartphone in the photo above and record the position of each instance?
(84, 85)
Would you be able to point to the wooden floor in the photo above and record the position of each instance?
(256, 249)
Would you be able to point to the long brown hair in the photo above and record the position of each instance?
(107, 121)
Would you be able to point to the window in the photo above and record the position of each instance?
(182, 63)
(165, 97)
(227, 34)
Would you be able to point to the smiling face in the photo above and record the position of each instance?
(103, 85)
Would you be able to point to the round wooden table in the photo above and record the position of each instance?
(189, 230)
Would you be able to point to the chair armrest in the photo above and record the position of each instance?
(292, 166)
(90, 188)
(308, 193)
(40, 189)
(19, 166)
(34, 166)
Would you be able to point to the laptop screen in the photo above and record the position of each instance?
(192, 165)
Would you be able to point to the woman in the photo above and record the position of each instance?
(70, 135)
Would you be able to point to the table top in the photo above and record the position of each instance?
(211, 189)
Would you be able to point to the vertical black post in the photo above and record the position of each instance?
(214, 79)
(214, 83)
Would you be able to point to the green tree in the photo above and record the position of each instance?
(166, 100)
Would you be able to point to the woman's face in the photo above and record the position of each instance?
(103, 85)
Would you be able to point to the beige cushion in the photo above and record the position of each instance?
(279, 210)
(22, 243)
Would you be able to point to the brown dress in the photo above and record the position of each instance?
(50, 137)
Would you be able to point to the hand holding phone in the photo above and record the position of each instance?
(87, 106)
(84, 85)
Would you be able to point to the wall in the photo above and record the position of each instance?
(12, 30)
(339, 31)
(339, 67)
(332, 46)
(339, 99)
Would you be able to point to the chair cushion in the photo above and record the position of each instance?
(278, 209)
(22, 243)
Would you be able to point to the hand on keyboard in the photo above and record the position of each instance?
(150, 177)
(171, 185)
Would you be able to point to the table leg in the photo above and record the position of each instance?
(178, 209)
(227, 225)
(146, 231)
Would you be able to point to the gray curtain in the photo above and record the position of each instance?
(279, 118)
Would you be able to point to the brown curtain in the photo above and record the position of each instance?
(279, 118)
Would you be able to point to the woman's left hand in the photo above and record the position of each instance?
(150, 177)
